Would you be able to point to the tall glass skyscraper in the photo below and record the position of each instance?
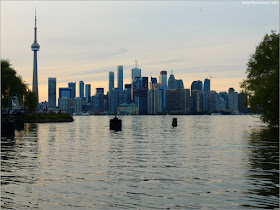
(120, 77)
(72, 85)
(82, 89)
(135, 72)
(88, 93)
(206, 85)
(111, 80)
(52, 92)
(163, 78)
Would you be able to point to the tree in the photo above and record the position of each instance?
(262, 83)
(13, 85)
(30, 101)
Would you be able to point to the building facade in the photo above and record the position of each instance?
(52, 92)
(120, 77)
(111, 80)
(82, 89)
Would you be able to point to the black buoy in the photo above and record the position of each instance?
(115, 124)
(174, 122)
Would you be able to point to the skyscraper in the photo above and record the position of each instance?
(52, 92)
(72, 85)
(82, 89)
(163, 78)
(111, 80)
(88, 93)
(120, 78)
(135, 72)
(232, 100)
(206, 91)
(35, 47)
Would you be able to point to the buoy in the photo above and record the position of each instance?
(174, 122)
(115, 124)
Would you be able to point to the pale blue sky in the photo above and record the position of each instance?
(85, 40)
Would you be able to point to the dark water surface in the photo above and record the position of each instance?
(206, 162)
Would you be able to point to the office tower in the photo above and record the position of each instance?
(35, 47)
(176, 101)
(197, 97)
(135, 72)
(120, 78)
(140, 99)
(154, 97)
(72, 85)
(52, 92)
(206, 85)
(163, 78)
(188, 100)
(232, 100)
(153, 81)
(78, 105)
(243, 103)
(113, 100)
(111, 80)
(212, 101)
(82, 89)
(172, 83)
(224, 95)
(88, 93)
(206, 90)
(196, 85)
(98, 101)
(144, 82)
(222, 104)
(126, 95)
(64, 104)
(180, 84)
(65, 92)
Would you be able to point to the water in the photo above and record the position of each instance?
(206, 162)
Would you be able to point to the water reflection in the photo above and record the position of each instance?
(263, 167)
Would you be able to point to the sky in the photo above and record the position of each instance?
(85, 40)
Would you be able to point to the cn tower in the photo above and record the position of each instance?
(35, 47)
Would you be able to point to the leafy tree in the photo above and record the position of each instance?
(13, 85)
(30, 101)
(262, 83)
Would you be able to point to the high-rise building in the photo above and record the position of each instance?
(163, 78)
(154, 97)
(172, 82)
(82, 89)
(140, 99)
(212, 101)
(64, 104)
(111, 80)
(88, 93)
(206, 85)
(232, 100)
(65, 92)
(180, 84)
(114, 100)
(135, 72)
(78, 105)
(243, 103)
(72, 85)
(176, 101)
(35, 47)
(120, 78)
(197, 97)
(196, 85)
(224, 95)
(52, 92)
(206, 90)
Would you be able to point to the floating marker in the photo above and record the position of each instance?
(174, 122)
(115, 124)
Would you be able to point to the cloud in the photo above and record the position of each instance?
(175, 60)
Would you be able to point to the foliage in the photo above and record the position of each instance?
(262, 83)
(30, 101)
(13, 85)
(49, 116)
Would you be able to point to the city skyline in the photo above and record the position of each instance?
(160, 35)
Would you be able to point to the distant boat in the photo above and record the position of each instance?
(216, 113)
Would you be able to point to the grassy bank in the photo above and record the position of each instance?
(38, 118)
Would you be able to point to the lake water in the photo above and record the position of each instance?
(206, 162)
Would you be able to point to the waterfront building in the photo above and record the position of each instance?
(64, 104)
(232, 100)
(72, 85)
(176, 101)
(82, 89)
(140, 99)
(222, 104)
(111, 80)
(88, 93)
(52, 92)
(224, 95)
(78, 105)
(197, 97)
(113, 100)
(212, 101)
(35, 47)
(154, 100)
(126, 96)
(188, 100)
(64, 92)
(120, 77)
(127, 109)
(243, 103)
(98, 101)
(206, 90)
